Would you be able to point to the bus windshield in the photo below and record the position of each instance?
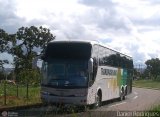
(65, 73)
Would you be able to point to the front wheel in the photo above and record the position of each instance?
(98, 101)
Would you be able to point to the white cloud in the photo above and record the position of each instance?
(132, 27)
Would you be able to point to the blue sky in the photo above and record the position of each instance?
(132, 27)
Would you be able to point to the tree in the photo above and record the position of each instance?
(3, 40)
(3, 62)
(30, 42)
(2, 75)
(4, 47)
(153, 67)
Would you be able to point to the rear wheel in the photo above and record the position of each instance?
(126, 91)
(122, 95)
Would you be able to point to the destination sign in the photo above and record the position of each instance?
(109, 72)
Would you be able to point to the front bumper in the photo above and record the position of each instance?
(64, 100)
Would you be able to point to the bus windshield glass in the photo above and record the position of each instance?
(71, 50)
(65, 73)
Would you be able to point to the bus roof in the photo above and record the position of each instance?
(92, 42)
(78, 41)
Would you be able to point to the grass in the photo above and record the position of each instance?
(13, 100)
(156, 108)
(147, 84)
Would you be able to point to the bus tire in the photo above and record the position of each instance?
(122, 95)
(98, 100)
(126, 91)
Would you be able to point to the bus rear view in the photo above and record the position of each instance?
(65, 73)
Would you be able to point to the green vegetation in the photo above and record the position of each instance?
(147, 84)
(153, 68)
(24, 45)
(156, 108)
(16, 96)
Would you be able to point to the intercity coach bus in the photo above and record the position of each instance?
(84, 73)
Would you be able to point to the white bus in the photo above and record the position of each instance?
(84, 73)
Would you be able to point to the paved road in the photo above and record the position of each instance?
(140, 99)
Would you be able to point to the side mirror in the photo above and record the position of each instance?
(90, 65)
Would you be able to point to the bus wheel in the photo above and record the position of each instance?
(122, 95)
(126, 92)
(98, 100)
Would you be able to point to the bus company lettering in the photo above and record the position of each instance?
(110, 72)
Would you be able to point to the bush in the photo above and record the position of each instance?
(158, 78)
(2, 75)
(28, 76)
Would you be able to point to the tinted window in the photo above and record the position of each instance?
(68, 50)
(110, 57)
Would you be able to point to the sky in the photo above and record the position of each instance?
(131, 27)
